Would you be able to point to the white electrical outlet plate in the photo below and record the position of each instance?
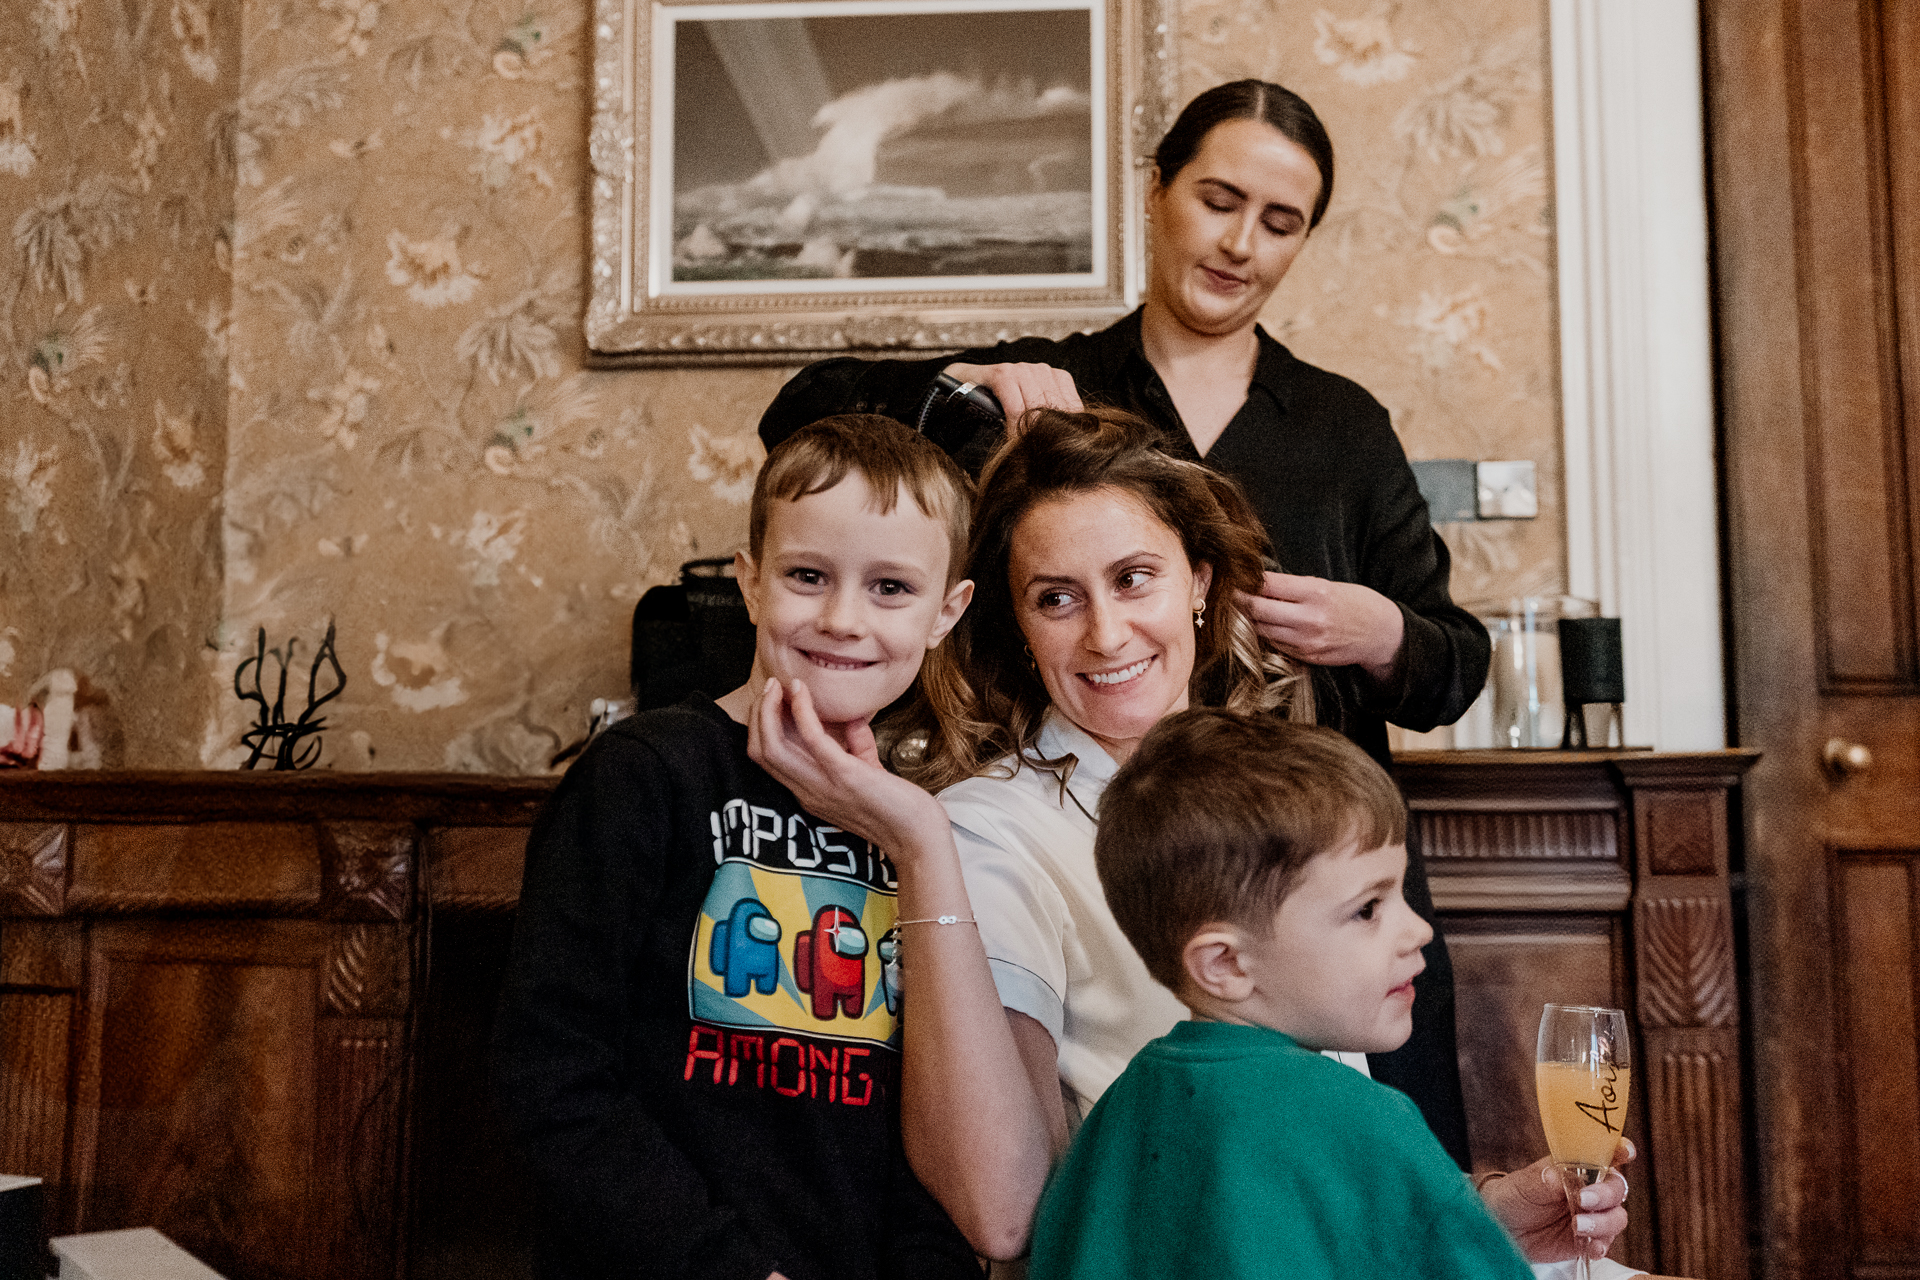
(1507, 490)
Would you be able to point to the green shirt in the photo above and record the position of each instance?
(1228, 1151)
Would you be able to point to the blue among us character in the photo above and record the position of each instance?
(888, 949)
(830, 960)
(745, 950)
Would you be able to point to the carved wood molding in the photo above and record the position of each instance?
(475, 870)
(1681, 833)
(366, 974)
(1525, 886)
(137, 902)
(1685, 955)
(214, 868)
(1452, 834)
(359, 1151)
(369, 870)
(33, 869)
(1694, 1101)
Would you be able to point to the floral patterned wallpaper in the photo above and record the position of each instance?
(292, 314)
(117, 211)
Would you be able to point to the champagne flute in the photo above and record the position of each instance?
(1582, 1070)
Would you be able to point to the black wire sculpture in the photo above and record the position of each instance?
(293, 744)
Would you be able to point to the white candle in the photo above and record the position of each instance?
(61, 686)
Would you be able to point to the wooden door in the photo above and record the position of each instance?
(1814, 147)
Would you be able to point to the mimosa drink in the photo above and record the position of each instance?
(1584, 1109)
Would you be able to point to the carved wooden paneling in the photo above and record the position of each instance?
(1503, 973)
(1685, 954)
(358, 1166)
(1879, 1064)
(33, 869)
(367, 971)
(1857, 438)
(1447, 835)
(476, 868)
(1694, 1103)
(369, 870)
(260, 868)
(1505, 968)
(198, 1101)
(1534, 885)
(35, 1031)
(1681, 832)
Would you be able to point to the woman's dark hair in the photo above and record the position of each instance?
(980, 699)
(1259, 100)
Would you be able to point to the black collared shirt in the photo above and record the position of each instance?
(1315, 453)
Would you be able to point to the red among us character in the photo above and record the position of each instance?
(830, 960)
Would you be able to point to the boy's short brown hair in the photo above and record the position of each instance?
(888, 453)
(1215, 816)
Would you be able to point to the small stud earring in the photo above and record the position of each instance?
(1031, 664)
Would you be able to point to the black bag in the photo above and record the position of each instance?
(692, 634)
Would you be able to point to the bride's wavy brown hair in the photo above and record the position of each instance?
(980, 699)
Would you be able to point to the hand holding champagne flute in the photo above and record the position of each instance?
(1582, 1071)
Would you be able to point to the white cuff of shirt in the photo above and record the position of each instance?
(1025, 991)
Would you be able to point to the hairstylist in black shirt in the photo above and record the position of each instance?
(1242, 178)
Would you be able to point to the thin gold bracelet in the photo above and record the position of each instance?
(942, 920)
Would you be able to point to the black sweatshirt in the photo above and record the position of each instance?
(1318, 459)
(697, 1048)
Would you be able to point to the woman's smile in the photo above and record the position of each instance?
(1105, 596)
(1116, 678)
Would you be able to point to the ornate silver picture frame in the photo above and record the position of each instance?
(779, 180)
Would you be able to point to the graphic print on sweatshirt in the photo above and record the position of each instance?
(797, 931)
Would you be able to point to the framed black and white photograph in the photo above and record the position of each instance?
(776, 180)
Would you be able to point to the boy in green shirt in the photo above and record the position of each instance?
(1256, 866)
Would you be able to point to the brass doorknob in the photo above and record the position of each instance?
(1844, 758)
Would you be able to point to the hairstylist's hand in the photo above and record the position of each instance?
(839, 780)
(1020, 387)
(1531, 1204)
(1328, 624)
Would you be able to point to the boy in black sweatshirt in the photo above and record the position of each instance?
(698, 1043)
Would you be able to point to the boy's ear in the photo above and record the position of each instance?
(950, 610)
(748, 574)
(1215, 961)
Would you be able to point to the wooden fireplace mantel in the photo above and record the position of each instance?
(1601, 877)
(251, 1009)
